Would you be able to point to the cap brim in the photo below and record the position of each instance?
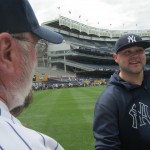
(48, 35)
(144, 44)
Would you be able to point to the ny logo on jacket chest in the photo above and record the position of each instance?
(139, 115)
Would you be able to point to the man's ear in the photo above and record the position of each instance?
(115, 57)
(6, 51)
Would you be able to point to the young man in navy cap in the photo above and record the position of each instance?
(19, 36)
(122, 112)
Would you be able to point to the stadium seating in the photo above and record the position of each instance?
(91, 48)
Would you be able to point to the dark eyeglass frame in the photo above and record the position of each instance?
(39, 43)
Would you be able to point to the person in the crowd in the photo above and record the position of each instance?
(122, 112)
(19, 36)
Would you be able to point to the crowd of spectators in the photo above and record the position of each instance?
(68, 83)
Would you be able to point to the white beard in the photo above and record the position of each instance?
(20, 88)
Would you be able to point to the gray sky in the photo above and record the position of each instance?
(108, 14)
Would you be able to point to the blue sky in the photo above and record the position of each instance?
(108, 14)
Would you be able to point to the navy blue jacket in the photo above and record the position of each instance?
(122, 115)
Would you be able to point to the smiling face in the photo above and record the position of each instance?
(131, 60)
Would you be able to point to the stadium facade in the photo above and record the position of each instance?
(86, 51)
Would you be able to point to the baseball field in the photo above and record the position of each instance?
(64, 114)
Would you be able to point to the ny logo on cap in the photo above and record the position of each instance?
(131, 39)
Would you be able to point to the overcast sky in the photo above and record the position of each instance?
(108, 14)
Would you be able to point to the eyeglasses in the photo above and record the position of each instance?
(40, 45)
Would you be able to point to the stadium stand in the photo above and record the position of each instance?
(52, 72)
(85, 52)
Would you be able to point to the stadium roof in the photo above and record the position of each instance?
(71, 26)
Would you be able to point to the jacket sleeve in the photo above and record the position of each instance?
(105, 125)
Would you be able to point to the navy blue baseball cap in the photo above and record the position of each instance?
(17, 16)
(129, 40)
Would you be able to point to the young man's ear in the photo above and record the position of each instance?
(6, 50)
(115, 57)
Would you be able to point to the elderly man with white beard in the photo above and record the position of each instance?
(19, 36)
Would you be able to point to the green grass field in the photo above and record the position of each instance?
(64, 114)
